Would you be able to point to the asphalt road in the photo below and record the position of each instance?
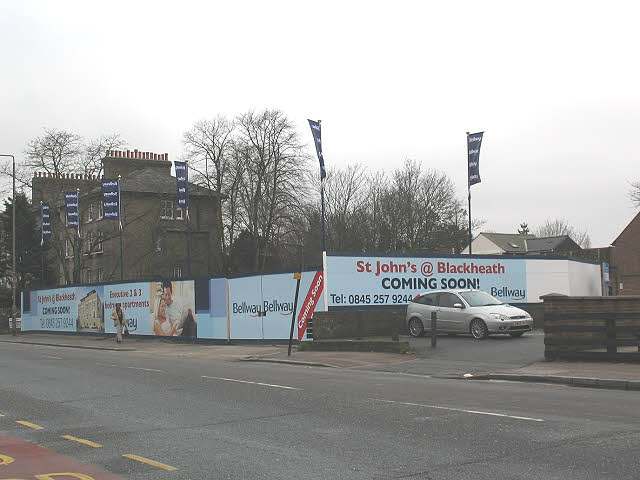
(460, 354)
(217, 419)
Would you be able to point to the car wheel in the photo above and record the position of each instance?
(416, 328)
(516, 334)
(479, 329)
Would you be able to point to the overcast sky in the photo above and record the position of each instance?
(555, 86)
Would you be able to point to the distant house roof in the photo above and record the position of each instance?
(509, 242)
(551, 244)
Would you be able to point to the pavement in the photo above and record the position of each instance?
(497, 359)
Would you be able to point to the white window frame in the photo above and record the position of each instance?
(99, 243)
(99, 275)
(89, 276)
(68, 248)
(179, 213)
(177, 272)
(100, 210)
(90, 243)
(90, 212)
(166, 209)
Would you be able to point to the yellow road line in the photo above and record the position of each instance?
(82, 440)
(149, 462)
(30, 425)
(1, 415)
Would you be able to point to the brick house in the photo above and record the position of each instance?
(625, 260)
(154, 228)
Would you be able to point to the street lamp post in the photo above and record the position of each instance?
(13, 306)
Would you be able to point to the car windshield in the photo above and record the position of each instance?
(479, 299)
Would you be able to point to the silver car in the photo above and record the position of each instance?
(466, 311)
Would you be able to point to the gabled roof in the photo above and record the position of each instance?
(509, 242)
(550, 244)
(635, 219)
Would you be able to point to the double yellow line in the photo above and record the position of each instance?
(97, 445)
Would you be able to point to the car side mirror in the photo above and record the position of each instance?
(458, 305)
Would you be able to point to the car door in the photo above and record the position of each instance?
(450, 319)
(426, 304)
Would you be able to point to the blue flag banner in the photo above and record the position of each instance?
(46, 219)
(317, 139)
(474, 140)
(71, 202)
(111, 199)
(182, 180)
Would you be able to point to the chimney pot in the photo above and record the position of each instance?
(166, 156)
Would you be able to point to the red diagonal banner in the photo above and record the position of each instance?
(310, 302)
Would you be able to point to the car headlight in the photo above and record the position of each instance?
(499, 316)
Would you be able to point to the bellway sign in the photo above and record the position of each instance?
(388, 281)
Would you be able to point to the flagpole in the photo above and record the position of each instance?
(188, 244)
(188, 220)
(324, 243)
(79, 217)
(41, 246)
(120, 222)
(469, 189)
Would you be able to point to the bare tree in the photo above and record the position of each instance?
(560, 226)
(56, 151)
(410, 210)
(61, 152)
(208, 149)
(345, 197)
(634, 193)
(90, 160)
(273, 165)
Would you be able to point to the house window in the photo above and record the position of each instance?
(90, 239)
(99, 275)
(179, 213)
(68, 248)
(166, 209)
(89, 276)
(99, 240)
(100, 210)
(90, 212)
(177, 272)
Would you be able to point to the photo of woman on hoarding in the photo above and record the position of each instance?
(173, 305)
(162, 326)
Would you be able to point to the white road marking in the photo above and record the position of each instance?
(49, 356)
(252, 383)
(106, 364)
(146, 369)
(475, 412)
